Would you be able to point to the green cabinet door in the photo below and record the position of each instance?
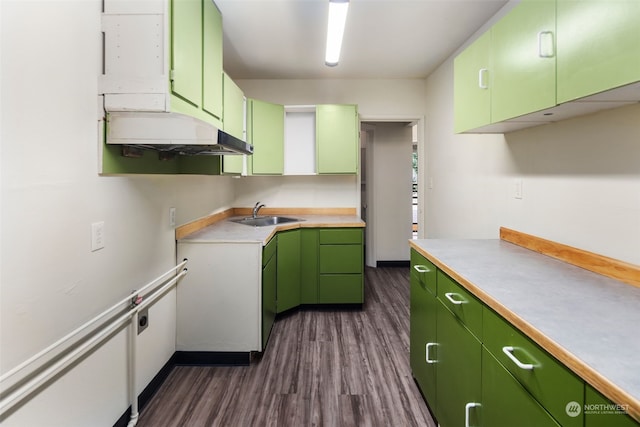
(458, 380)
(211, 59)
(233, 122)
(422, 328)
(601, 412)
(288, 270)
(523, 60)
(269, 281)
(186, 50)
(598, 46)
(471, 90)
(337, 139)
(505, 403)
(309, 266)
(267, 137)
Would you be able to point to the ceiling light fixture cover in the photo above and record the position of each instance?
(335, 30)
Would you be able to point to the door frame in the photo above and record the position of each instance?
(370, 255)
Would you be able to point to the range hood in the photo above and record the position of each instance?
(171, 133)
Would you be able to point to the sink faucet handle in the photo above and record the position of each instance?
(256, 208)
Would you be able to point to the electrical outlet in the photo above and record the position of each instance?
(97, 236)
(517, 190)
(143, 320)
(172, 217)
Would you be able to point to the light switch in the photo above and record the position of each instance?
(97, 236)
(172, 217)
(517, 191)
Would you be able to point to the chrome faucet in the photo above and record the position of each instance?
(256, 208)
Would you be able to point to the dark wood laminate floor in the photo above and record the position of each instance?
(321, 368)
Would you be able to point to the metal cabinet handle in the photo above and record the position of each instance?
(421, 269)
(429, 345)
(509, 352)
(450, 295)
(545, 53)
(482, 83)
(467, 410)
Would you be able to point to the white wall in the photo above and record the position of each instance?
(581, 178)
(297, 191)
(51, 282)
(390, 181)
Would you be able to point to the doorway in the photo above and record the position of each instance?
(386, 185)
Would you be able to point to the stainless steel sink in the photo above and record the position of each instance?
(263, 221)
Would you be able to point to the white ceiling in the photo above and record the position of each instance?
(285, 39)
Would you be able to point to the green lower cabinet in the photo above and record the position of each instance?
(505, 403)
(269, 283)
(422, 329)
(341, 266)
(458, 380)
(546, 379)
(341, 259)
(340, 289)
(601, 412)
(288, 291)
(309, 266)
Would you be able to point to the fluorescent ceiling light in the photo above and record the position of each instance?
(335, 30)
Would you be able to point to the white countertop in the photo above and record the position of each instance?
(226, 231)
(595, 318)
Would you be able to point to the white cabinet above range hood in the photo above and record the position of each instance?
(135, 92)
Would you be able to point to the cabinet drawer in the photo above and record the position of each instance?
(268, 251)
(340, 236)
(505, 402)
(461, 303)
(340, 288)
(423, 271)
(551, 383)
(340, 259)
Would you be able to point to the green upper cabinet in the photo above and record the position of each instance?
(196, 60)
(233, 121)
(337, 139)
(598, 46)
(523, 60)
(186, 50)
(212, 76)
(472, 95)
(266, 127)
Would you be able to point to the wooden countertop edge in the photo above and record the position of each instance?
(584, 371)
(610, 267)
(191, 227)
